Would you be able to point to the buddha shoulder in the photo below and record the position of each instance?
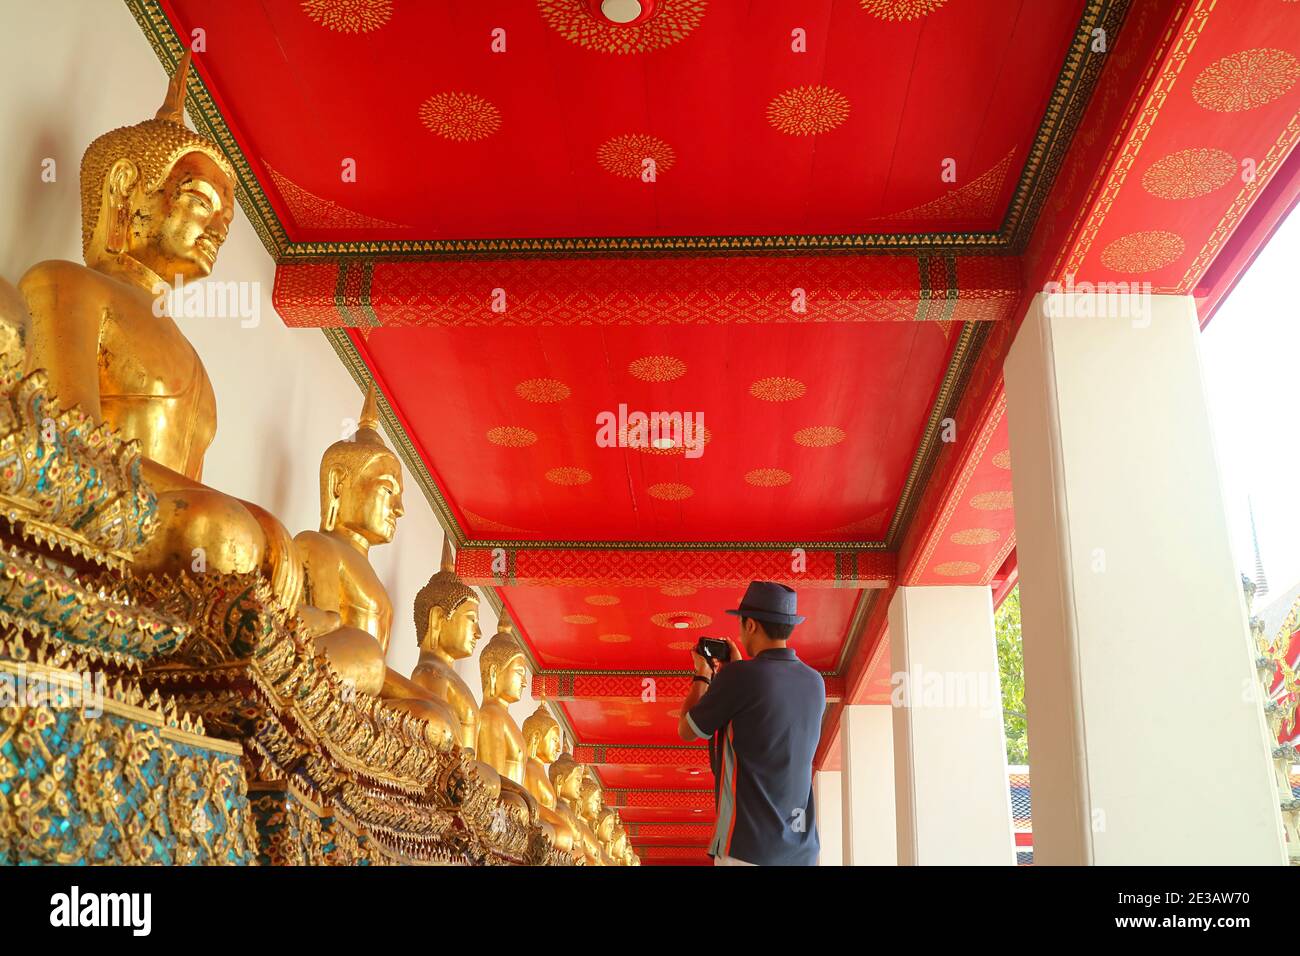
(62, 283)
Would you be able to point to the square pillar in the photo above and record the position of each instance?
(1147, 741)
(830, 828)
(950, 760)
(867, 758)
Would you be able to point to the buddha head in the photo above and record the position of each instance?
(606, 820)
(446, 612)
(566, 777)
(589, 799)
(502, 665)
(618, 846)
(361, 482)
(157, 193)
(542, 735)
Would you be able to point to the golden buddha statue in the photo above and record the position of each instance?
(156, 204)
(589, 806)
(566, 776)
(606, 833)
(618, 846)
(360, 503)
(541, 747)
(499, 742)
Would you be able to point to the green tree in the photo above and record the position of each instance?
(1011, 670)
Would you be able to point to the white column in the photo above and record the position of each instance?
(826, 799)
(950, 758)
(1146, 742)
(867, 758)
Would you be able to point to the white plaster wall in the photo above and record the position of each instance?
(74, 70)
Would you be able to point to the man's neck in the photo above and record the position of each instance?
(769, 645)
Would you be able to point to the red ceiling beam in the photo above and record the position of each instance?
(367, 293)
(575, 685)
(675, 855)
(731, 568)
(667, 799)
(645, 834)
(631, 755)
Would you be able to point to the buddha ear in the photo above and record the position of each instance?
(334, 481)
(119, 183)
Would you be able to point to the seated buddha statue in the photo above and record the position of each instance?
(360, 502)
(446, 620)
(156, 204)
(499, 742)
(589, 808)
(618, 846)
(567, 776)
(606, 832)
(541, 747)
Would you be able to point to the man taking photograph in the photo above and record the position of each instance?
(762, 717)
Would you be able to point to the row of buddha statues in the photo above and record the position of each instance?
(157, 204)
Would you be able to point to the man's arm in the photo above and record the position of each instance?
(698, 689)
(715, 702)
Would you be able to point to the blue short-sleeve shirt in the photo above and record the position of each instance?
(763, 717)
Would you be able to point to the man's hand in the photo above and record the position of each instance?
(702, 665)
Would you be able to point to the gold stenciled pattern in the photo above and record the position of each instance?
(542, 390)
(657, 368)
(956, 569)
(615, 638)
(626, 155)
(677, 590)
(977, 199)
(1189, 173)
(670, 491)
(691, 619)
(768, 477)
(991, 501)
(778, 389)
(901, 9)
(601, 600)
(458, 116)
(1246, 80)
(807, 110)
(1143, 251)
(1003, 459)
(974, 536)
(512, 436)
(349, 16)
(578, 619)
(673, 21)
(567, 475)
(316, 212)
(819, 436)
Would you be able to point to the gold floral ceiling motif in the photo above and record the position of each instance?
(670, 491)
(568, 476)
(1143, 251)
(972, 536)
(542, 390)
(675, 618)
(672, 22)
(1189, 173)
(819, 436)
(1246, 80)
(677, 590)
(978, 199)
(991, 501)
(578, 619)
(681, 646)
(1003, 459)
(768, 477)
(310, 211)
(601, 600)
(625, 155)
(349, 16)
(460, 117)
(512, 436)
(956, 569)
(807, 110)
(657, 368)
(901, 9)
(778, 389)
(630, 440)
(615, 638)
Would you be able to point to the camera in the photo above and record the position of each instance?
(713, 649)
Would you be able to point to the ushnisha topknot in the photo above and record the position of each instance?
(444, 589)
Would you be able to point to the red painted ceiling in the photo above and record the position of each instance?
(452, 139)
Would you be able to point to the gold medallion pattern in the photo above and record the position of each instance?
(1189, 173)
(690, 618)
(768, 477)
(975, 536)
(807, 110)
(1246, 80)
(901, 9)
(673, 21)
(677, 590)
(1003, 459)
(601, 600)
(1143, 251)
(778, 389)
(542, 390)
(578, 619)
(991, 501)
(568, 476)
(460, 117)
(512, 436)
(349, 16)
(630, 441)
(625, 155)
(657, 368)
(670, 491)
(681, 645)
(819, 436)
(956, 569)
(615, 638)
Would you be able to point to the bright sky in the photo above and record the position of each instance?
(1251, 351)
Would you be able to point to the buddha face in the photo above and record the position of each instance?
(571, 786)
(620, 843)
(370, 503)
(459, 634)
(591, 803)
(178, 229)
(509, 683)
(549, 749)
(605, 828)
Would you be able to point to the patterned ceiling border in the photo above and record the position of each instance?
(1069, 99)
